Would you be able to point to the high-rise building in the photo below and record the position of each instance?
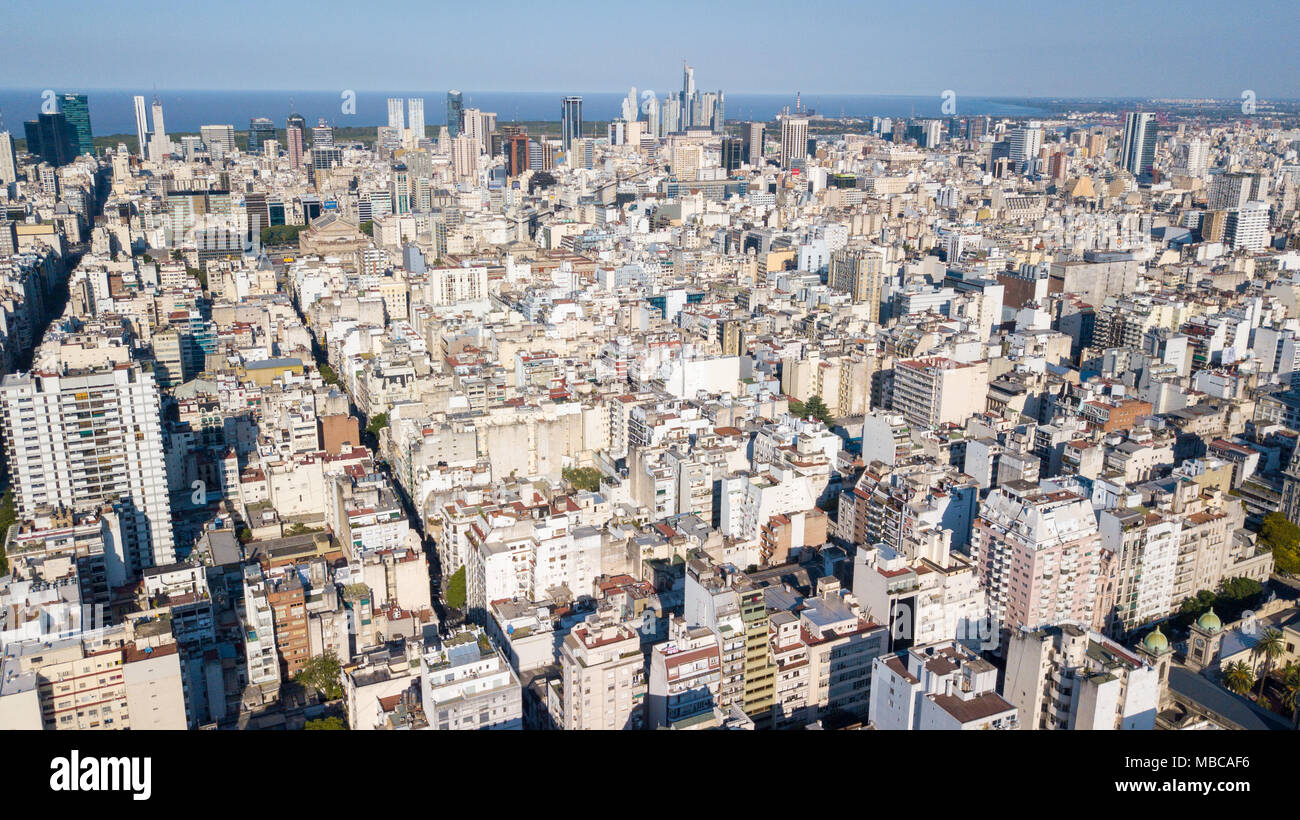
(455, 105)
(733, 154)
(415, 117)
(570, 121)
(670, 113)
(294, 138)
(794, 141)
(689, 99)
(159, 145)
(89, 438)
(1038, 555)
(219, 139)
(1247, 227)
(50, 138)
(604, 675)
(1069, 677)
(322, 134)
(260, 129)
(396, 114)
(860, 273)
(76, 110)
(1025, 143)
(8, 159)
(934, 391)
(517, 154)
(141, 127)
(1234, 189)
(652, 127)
(1139, 147)
(752, 137)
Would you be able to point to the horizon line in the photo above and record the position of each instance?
(977, 95)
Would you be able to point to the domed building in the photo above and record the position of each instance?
(1203, 640)
(1156, 650)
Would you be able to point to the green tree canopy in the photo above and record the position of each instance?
(8, 515)
(1238, 677)
(322, 674)
(377, 423)
(332, 724)
(583, 478)
(456, 596)
(1279, 534)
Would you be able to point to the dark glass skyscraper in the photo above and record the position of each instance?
(76, 110)
(732, 153)
(455, 113)
(570, 121)
(260, 129)
(50, 138)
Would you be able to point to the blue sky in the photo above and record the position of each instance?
(997, 47)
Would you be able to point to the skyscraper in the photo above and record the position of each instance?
(141, 127)
(87, 438)
(570, 121)
(1139, 150)
(688, 98)
(322, 134)
(295, 127)
(415, 117)
(516, 154)
(794, 141)
(50, 138)
(752, 137)
(396, 114)
(260, 129)
(159, 145)
(455, 105)
(1025, 143)
(732, 153)
(220, 139)
(652, 127)
(8, 159)
(76, 110)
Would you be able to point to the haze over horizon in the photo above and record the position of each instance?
(1106, 49)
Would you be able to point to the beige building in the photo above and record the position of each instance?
(604, 675)
(116, 680)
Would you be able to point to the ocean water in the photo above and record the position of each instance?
(112, 110)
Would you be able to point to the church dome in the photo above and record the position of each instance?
(1209, 621)
(1155, 642)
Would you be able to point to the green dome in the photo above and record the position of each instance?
(1209, 621)
(1155, 642)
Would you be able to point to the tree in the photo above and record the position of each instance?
(332, 724)
(367, 227)
(1282, 537)
(8, 515)
(377, 423)
(1269, 647)
(1291, 687)
(583, 478)
(456, 589)
(817, 409)
(280, 234)
(1238, 677)
(540, 179)
(327, 374)
(322, 674)
(244, 534)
